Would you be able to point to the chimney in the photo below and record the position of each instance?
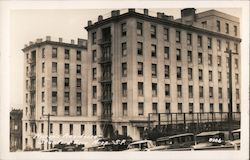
(115, 13)
(79, 42)
(48, 38)
(131, 10)
(30, 43)
(89, 23)
(25, 45)
(60, 40)
(72, 41)
(168, 17)
(160, 15)
(100, 18)
(188, 12)
(145, 11)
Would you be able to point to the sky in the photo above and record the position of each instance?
(28, 25)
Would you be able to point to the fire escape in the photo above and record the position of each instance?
(106, 83)
(32, 90)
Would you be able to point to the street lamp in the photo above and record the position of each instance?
(48, 115)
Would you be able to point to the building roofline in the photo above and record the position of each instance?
(159, 21)
(49, 42)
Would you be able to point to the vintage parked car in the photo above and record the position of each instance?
(236, 139)
(177, 142)
(211, 140)
(144, 145)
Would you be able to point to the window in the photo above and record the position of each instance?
(178, 54)
(227, 45)
(166, 52)
(179, 107)
(94, 58)
(220, 107)
(66, 110)
(201, 107)
(26, 98)
(210, 60)
(43, 81)
(236, 62)
(140, 68)
(124, 69)
(154, 108)
(43, 96)
(66, 97)
(78, 110)
(218, 45)
(167, 71)
(153, 31)
(166, 34)
(78, 83)
(124, 89)
(235, 47)
(238, 108)
(154, 89)
(43, 67)
(42, 128)
(94, 130)
(26, 127)
(140, 88)
(66, 54)
(66, 83)
(123, 29)
(153, 50)
(179, 91)
(178, 37)
(66, 68)
(51, 128)
(237, 78)
(190, 91)
(94, 92)
(139, 29)
(140, 109)
(200, 59)
(139, 48)
(227, 59)
(237, 94)
(218, 26)
(54, 52)
(204, 24)
(235, 30)
(210, 76)
(94, 73)
(54, 82)
(168, 109)
(190, 74)
(124, 130)
(43, 52)
(60, 129)
(82, 129)
(94, 38)
(124, 109)
(54, 67)
(227, 28)
(154, 70)
(78, 55)
(191, 107)
(78, 97)
(70, 129)
(178, 72)
(211, 92)
(190, 59)
(199, 41)
(200, 75)
(54, 110)
(219, 60)
(209, 43)
(78, 69)
(94, 110)
(54, 97)
(211, 108)
(124, 49)
(189, 39)
(220, 92)
(167, 89)
(201, 91)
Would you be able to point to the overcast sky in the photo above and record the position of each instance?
(28, 25)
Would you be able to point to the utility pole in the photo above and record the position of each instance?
(230, 105)
(48, 115)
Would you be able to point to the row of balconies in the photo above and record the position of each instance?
(106, 40)
(31, 61)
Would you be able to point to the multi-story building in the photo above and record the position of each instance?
(140, 64)
(55, 86)
(16, 129)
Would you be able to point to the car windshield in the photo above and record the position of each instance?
(236, 135)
